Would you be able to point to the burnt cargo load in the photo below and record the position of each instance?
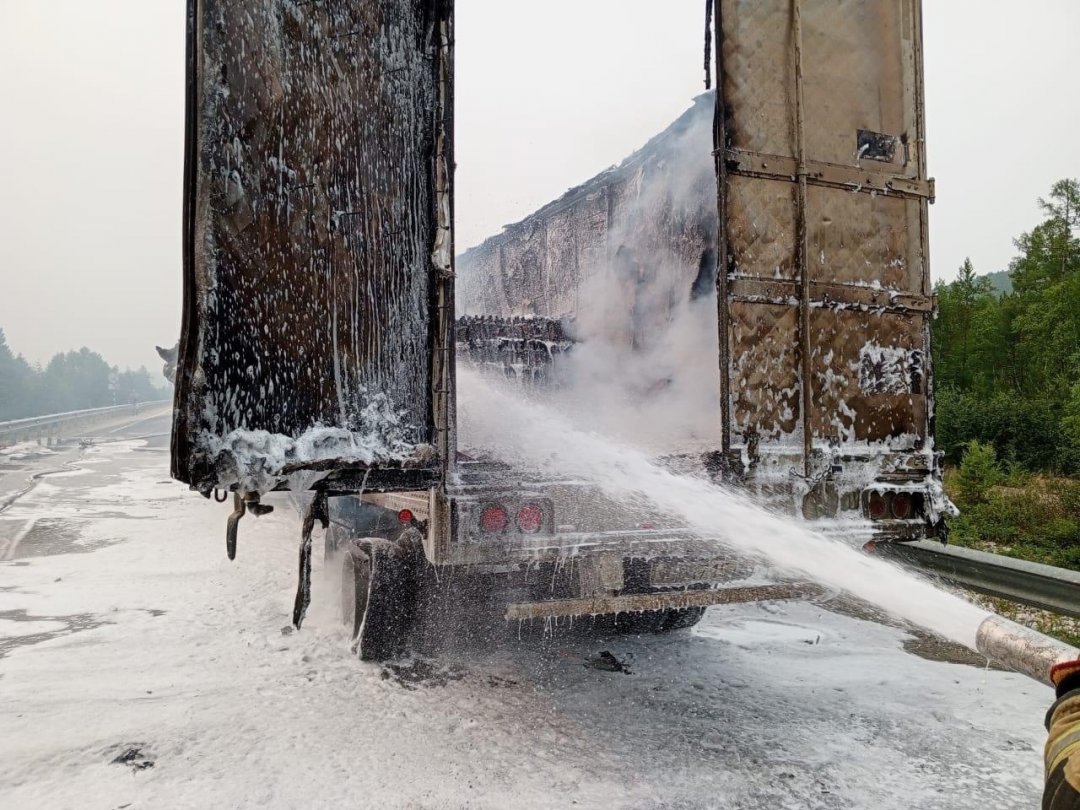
(824, 304)
(317, 298)
(649, 222)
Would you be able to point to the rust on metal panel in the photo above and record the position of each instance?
(868, 377)
(829, 295)
(761, 227)
(854, 75)
(802, 262)
(667, 600)
(314, 223)
(720, 139)
(847, 178)
(765, 400)
(849, 233)
(444, 373)
(758, 93)
(824, 196)
(916, 110)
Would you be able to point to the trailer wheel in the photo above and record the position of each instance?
(355, 585)
(658, 621)
(640, 623)
(682, 619)
(379, 594)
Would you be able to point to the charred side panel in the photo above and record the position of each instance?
(641, 229)
(311, 230)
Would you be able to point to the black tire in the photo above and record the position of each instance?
(658, 621)
(682, 619)
(379, 594)
(640, 623)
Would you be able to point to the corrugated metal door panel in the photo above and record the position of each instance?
(867, 378)
(311, 291)
(861, 240)
(764, 373)
(824, 201)
(761, 227)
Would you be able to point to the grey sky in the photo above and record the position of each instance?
(548, 94)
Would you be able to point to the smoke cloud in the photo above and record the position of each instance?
(627, 262)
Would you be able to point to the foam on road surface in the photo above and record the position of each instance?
(139, 668)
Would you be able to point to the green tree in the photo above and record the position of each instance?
(72, 381)
(18, 384)
(959, 306)
(1046, 276)
(76, 380)
(979, 471)
(1063, 209)
(1007, 366)
(136, 386)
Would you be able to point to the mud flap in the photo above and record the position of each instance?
(316, 511)
(392, 595)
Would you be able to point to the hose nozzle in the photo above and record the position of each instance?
(1022, 649)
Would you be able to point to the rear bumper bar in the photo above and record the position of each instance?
(669, 600)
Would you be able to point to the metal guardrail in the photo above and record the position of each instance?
(1029, 583)
(39, 427)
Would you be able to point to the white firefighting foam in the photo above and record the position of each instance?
(526, 434)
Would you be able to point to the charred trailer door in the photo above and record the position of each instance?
(825, 299)
(318, 302)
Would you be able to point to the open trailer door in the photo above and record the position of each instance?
(825, 291)
(318, 299)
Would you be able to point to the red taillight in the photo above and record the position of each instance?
(493, 519)
(903, 506)
(877, 507)
(530, 518)
(405, 516)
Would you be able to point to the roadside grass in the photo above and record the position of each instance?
(1028, 516)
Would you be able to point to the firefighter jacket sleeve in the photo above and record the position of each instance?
(1062, 790)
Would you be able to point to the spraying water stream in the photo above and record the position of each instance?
(530, 435)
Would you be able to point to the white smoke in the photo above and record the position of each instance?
(642, 303)
(662, 394)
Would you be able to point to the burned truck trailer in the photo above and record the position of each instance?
(319, 343)
(824, 405)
